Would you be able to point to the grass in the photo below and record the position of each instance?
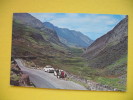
(58, 47)
(76, 51)
(79, 66)
(72, 60)
(21, 50)
(112, 43)
(14, 77)
(117, 68)
(113, 82)
(110, 74)
(30, 39)
(81, 83)
(119, 62)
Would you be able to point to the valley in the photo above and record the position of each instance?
(103, 61)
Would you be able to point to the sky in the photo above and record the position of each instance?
(91, 25)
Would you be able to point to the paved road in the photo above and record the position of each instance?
(43, 79)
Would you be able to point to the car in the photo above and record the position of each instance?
(49, 69)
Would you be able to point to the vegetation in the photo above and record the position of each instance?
(113, 82)
(40, 47)
(109, 55)
(76, 51)
(16, 77)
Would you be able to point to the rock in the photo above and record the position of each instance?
(24, 80)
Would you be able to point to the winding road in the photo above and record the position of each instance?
(43, 79)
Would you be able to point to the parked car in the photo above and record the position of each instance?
(49, 69)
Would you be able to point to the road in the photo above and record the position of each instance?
(43, 79)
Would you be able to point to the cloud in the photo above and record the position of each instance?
(92, 25)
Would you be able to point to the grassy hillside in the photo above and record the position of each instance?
(31, 42)
(109, 54)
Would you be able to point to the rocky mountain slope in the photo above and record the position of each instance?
(31, 39)
(30, 21)
(70, 37)
(110, 50)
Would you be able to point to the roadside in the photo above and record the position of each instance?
(18, 78)
(88, 84)
(42, 79)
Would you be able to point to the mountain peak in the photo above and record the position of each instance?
(49, 25)
(27, 19)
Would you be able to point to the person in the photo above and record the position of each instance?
(57, 71)
(65, 74)
(62, 74)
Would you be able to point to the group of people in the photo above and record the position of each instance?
(60, 73)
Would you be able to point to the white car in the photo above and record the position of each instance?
(48, 68)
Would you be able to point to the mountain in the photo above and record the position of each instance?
(32, 39)
(28, 20)
(110, 50)
(70, 37)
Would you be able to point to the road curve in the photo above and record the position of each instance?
(43, 79)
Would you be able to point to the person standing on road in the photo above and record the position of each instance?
(62, 74)
(57, 71)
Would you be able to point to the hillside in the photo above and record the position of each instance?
(70, 37)
(110, 49)
(30, 21)
(31, 39)
(107, 57)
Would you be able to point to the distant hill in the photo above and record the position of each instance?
(110, 50)
(70, 37)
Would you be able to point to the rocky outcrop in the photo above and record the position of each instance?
(18, 78)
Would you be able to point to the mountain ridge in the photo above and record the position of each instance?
(34, 40)
(29, 20)
(109, 48)
(70, 37)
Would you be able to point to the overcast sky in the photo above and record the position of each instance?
(92, 25)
